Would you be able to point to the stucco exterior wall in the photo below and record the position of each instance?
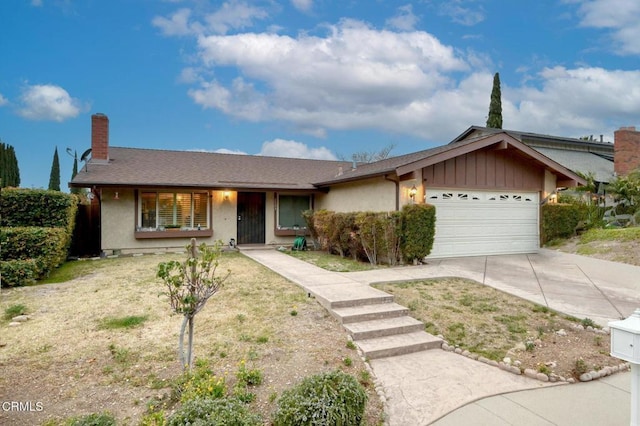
(549, 184)
(376, 194)
(119, 224)
(225, 223)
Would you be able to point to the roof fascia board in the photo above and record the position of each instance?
(454, 151)
(501, 140)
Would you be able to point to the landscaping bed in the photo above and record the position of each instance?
(495, 325)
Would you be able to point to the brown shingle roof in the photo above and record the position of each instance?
(149, 167)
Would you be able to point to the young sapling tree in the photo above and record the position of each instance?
(189, 285)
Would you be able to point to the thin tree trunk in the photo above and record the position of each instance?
(190, 352)
(183, 327)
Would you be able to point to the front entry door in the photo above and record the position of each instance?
(251, 212)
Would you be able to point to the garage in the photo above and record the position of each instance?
(473, 223)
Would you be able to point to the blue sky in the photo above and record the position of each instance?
(307, 78)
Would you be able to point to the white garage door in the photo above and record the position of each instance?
(473, 223)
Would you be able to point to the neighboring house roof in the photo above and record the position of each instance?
(161, 168)
(583, 162)
(158, 168)
(577, 155)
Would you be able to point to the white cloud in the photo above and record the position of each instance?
(577, 101)
(231, 15)
(404, 20)
(358, 77)
(230, 151)
(3, 100)
(339, 81)
(619, 16)
(48, 102)
(234, 15)
(176, 25)
(293, 149)
(461, 14)
(302, 5)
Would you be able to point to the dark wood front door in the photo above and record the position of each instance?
(251, 217)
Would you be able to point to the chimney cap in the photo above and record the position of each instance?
(629, 128)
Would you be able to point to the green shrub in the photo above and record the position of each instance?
(94, 419)
(20, 272)
(418, 230)
(37, 207)
(214, 412)
(32, 242)
(334, 398)
(379, 236)
(200, 383)
(32, 252)
(559, 221)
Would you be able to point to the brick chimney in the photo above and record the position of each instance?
(99, 138)
(626, 148)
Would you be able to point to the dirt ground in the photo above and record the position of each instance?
(615, 251)
(62, 363)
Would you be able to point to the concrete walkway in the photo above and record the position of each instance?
(448, 389)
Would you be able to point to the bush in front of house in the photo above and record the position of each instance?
(29, 253)
(214, 412)
(334, 398)
(377, 237)
(35, 233)
(559, 221)
(38, 207)
(20, 272)
(418, 231)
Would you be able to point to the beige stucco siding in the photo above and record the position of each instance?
(119, 224)
(375, 194)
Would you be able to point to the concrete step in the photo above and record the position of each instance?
(369, 312)
(345, 296)
(383, 327)
(400, 344)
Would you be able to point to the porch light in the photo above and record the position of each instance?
(116, 196)
(225, 194)
(412, 192)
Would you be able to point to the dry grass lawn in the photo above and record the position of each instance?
(67, 360)
(496, 325)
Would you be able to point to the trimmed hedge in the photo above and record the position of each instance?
(36, 232)
(334, 398)
(20, 272)
(559, 221)
(38, 207)
(418, 230)
(379, 237)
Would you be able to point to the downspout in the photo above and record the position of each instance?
(397, 182)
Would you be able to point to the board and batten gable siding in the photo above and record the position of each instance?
(486, 169)
(375, 194)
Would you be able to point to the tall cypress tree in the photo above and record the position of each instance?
(494, 120)
(54, 177)
(9, 171)
(75, 172)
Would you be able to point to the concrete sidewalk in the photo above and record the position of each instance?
(438, 386)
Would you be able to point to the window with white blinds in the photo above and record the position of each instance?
(187, 210)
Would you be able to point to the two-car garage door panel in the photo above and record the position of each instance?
(470, 223)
